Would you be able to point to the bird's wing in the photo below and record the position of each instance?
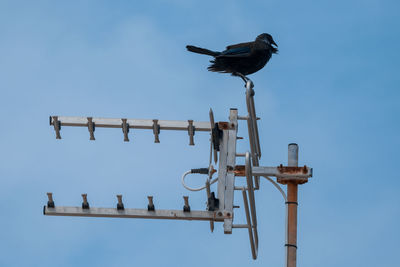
(239, 45)
(237, 50)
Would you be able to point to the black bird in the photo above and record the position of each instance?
(241, 59)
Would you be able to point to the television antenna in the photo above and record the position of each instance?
(220, 207)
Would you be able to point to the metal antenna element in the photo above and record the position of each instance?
(191, 130)
(186, 207)
(91, 127)
(120, 205)
(150, 206)
(125, 129)
(85, 203)
(50, 202)
(57, 126)
(220, 198)
(156, 131)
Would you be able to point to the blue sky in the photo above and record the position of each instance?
(333, 89)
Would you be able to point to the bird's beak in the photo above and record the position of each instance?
(274, 43)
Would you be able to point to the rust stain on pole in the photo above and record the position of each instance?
(292, 169)
(239, 170)
(291, 245)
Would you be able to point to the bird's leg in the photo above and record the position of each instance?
(244, 78)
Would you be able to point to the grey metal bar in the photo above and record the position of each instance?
(240, 188)
(253, 129)
(252, 141)
(254, 248)
(252, 114)
(135, 213)
(250, 187)
(208, 192)
(254, 120)
(222, 169)
(230, 164)
(240, 226)
(254, 156)
(212, 123)
(203, 126)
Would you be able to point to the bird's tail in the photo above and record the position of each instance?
(203, 51)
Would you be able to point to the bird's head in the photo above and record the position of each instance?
(267, 38)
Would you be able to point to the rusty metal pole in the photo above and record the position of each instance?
(292, 186)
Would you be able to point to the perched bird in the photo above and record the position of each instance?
(241, 59)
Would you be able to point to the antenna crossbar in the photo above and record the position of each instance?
(203, 126)
(125, 124)
(195, 215)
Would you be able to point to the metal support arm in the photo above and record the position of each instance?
(284, 172)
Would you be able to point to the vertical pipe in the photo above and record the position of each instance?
(291, 204)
